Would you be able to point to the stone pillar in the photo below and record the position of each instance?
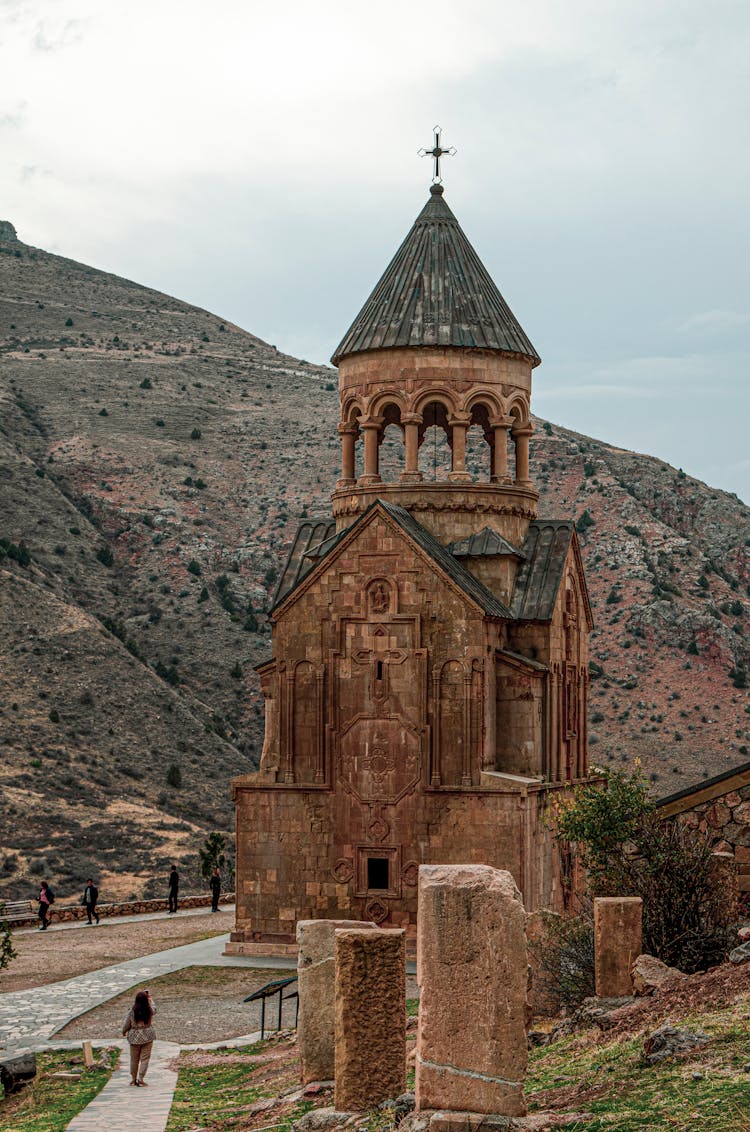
(724, 874)
(521, 437)
(473, 975)
(316, 940)
(500, 455)
(458, 473)
(370, 1017)
(411, 472)
(618, 942)
(348, 434)
(371, 473)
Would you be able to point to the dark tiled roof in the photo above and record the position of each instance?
(545, 550)
(310, 535)
(436, 292)
(307, 553)
(483, 544)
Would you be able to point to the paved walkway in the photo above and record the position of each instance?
(121, 1108)
(32, 1017)
(113, 921)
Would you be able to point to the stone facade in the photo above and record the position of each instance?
(427, 692)
(719, 808)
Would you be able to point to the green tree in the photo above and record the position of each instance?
(174, 776)
(212, 854)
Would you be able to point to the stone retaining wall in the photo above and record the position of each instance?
(66, 912)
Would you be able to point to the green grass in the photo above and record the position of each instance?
(412, 1007)
(217, 1096)
(623, 1095)
(48, 1103)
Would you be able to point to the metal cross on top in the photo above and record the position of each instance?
(436, 153)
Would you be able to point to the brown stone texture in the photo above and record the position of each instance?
(650, 974)
(370, 1029)
(722, 812)
(617, 943)
(316, 984)
(473, 976)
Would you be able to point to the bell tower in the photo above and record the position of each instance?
(437, 345)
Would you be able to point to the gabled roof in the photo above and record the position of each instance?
(436, 292)
(540, 575)
(299, 561)
(484, 544)
(440, 556)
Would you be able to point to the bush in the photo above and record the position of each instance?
(174, 776)
(68, 321)
(585, 521)
(196, 434)
(212, 854)
(146, 383)
(194, 567)
(629, 850)
(565, 955)
(7, 952)
(105, 556)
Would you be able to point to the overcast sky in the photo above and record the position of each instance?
(260, 160)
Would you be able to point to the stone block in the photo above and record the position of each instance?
(370, 1031)
(316, 985)
(473, 975)
(618, 941)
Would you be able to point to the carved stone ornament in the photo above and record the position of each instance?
(376, 911)
(410, 873)
(343, 870)
(378, 829)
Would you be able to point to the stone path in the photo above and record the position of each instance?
(121, 1108)
(31, 1017)
(114, 921)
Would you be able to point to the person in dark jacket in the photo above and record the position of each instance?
(174, 884)
(46, 899)
(215, 889)
(89, 899)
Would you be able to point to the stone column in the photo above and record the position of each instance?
(371, 473)
(458, 473)
(618, 942)
(521, 437)
(348, 434)
(370, 1017)
(316, 984)
(500, 454)
(411, 472)
(473, 974)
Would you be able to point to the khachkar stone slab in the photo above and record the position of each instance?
(370, 1017)
(316, 984)
(618, 942)
(473, 975)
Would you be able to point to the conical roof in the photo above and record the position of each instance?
(436, 292)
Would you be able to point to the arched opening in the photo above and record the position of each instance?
(435, 459)
(392, 456)
(479, 444)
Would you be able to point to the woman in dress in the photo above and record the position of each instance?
(140, 1033)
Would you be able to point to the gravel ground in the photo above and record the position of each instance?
(199, 1004)
(48, 957)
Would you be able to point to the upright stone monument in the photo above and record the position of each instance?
(618, 941)
(370, 1017)
(473, 975)
(316, 983)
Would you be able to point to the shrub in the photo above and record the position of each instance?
(236, 671)
(196, 434)
(585, 521)
(7, 952)
(212, 854)
(146, 383)
(629, 850)
(174, 776)
(54, 715)
(68, 321)
(105, 556)
(159, 422)
(194, 567)
(565, 955)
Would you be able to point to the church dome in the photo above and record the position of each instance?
(436, 292)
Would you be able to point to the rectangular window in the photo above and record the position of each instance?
(378, 873)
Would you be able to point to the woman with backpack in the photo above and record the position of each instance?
(137, 1028)
(46, 899)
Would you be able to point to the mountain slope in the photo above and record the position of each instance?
(154, 461)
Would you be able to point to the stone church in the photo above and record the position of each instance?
(427, 692)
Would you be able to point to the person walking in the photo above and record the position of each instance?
(46, 899)
(174, 884)
(89, 899)
(140, 1033)
(215, 889)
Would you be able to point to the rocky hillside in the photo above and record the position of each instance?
(154, 461)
